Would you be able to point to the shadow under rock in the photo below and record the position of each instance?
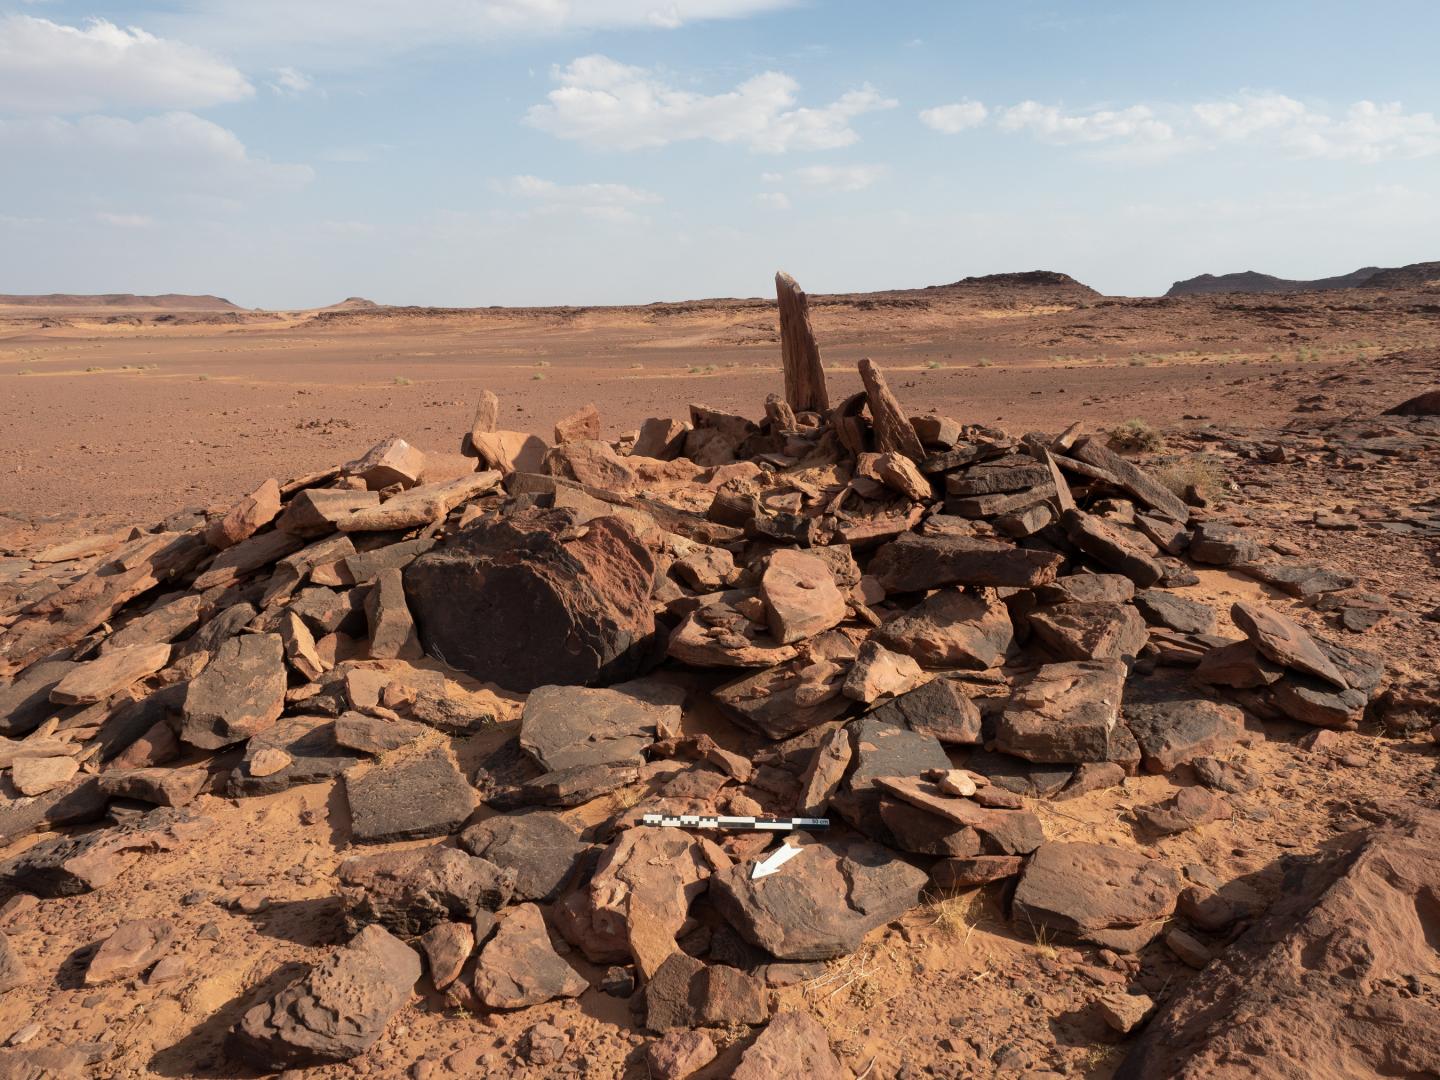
(201, 1054)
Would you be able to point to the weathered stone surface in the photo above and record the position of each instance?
(567, 726)
(824, 901)
(952, 629)
(1067, 713)
(135, 945)
(966, 873)
(1092, 889)
(519, 967)
(822, 776)
(1188, 808)
(318, 511)
(411, 891)
(74, 803)
(246, 517)
(1112, 546)
(1313, 701)
(1090, 631)
(447, 946)
(424, 795)
(679, 1054)
(162, 787)
(571, 787)
(37, 775)
(1285, 641)
(883, 750)
(1162, 608)
(580, 425)
(13, 970)
(389, 462)
(71, 865)
(1173, 725)
(295, 750)
(782, 701)
(421, 505)
(794, 1044)
(1326, 968)
(541, 849)
(25, 700)
(115, 670)
(878, 672)
(638, 898)
(1130, 477)
(375, 734)
(718, 635)
(533, 600)
(336, 1011)
(940, 708)
(1010, 832)
(1125, 1012)
(1087, 589)
(685, 993)
(913, 563)
(923, 833)
(240, 693)
(392, 630)
(801, 598)
(661, 438)
(1239, 665)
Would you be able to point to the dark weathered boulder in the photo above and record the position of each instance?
(1067, 713)
(567, 726)
(424, 795)
(1099, 892)
(539, 848)
(334, 1012)
(535, 599)
(952, 629)
(940, 708)
(1285, 641)
(413, 890)
(519, 967)
(914, 563)
(240, 693)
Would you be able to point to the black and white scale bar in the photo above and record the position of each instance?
(696, 821)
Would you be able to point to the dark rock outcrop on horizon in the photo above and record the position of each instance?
(1411, 276)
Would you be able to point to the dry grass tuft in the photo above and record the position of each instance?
(1200, 471)
(1135, 436)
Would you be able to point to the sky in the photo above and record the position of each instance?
(290, 153)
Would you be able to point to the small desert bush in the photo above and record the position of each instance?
(1200, 471)
(539, 376)
(982, 362)
(933, 365)
(401, 380)
(204, 378)
(1136, 436)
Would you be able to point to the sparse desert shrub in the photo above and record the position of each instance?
(955, 916)
(933, 365)
(1135, 436)
(1138, 361)
(983, 362)
(89, 369)
(1200, 471)
(539, 376)
(25, 371)
(203, 378)
(401, 380)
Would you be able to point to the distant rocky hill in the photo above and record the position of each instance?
(352, 303)
(1367, 277)
(127, 301)
(1028, 279)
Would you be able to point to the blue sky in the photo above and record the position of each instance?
(476, 152)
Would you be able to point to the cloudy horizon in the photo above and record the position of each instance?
(475, 152)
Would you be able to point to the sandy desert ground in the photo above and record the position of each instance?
(116, 418)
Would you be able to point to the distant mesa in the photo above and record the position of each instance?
(1027, 279)
(352, 303)
(124, 301)
(1412, 276)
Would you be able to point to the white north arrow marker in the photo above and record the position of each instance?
(772, 862)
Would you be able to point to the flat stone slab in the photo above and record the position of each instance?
(1082, 888)
(310, 744)
(520, 967)
(412, 891)
(539, 847)
(822, 902)
(567, 726)
(1285, 641)
(421, 796)
(240, 693)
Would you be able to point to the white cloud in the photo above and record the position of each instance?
(612, 105)
(125, 221)
(1049, 123)
(289, 81)
(953, 119)
(602, 202)
(840, 177)
(49, 67)
(343, 26)
(773, 200)
(1366, 131)
(164, 152)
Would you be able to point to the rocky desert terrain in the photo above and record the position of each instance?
(343, 654)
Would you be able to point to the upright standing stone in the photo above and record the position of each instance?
(804, 375)
(893, 430)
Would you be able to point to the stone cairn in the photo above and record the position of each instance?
(917, 627)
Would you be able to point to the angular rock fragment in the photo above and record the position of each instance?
(952, 629)
(1188, 808)
(317, 511)
(1112, 546)
(1222, 545)
(519, 967)
(161, 787)
(422, 505)
(246, 517)
(411, 891)
(335, 1012)
(424, 795)
(940, 708)
(801, 598)
(685, 993)
(822, 776)
(878, 673)
(115, 670)
(134, 947)
(883, 750)
(375, 734)
(1109, 895)
(389, 462)
(1161, 608)
(913, 563)
(447, 946)
(37, 775)
(1090, 631)
(660, 438)
(923, 833)
(25, 700)
(794, 1044)
(295, 750)
(533, 599)
(1067, 713)
(240, 693)
(679, 1054)
(13, 971)
(822, 903)
(1174, 726)
(1285, 641)
(783, 701)
(392, 630)
(966, 873)
(71, 865)
(541, 849)
(567, 726)
(1130, 477)
(1316, 702)
(1010, 832)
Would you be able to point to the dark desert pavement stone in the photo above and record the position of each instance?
(940, 708)
(1185, 616)
(914, 563)
(1083, 888)
(1100, 631)
(1067, 713)
(532, 600)
(421, 796)
(1285, 641)
(952, 629)
(240, 693)
(822, 903)
(336, 1011)
(539, 847)
(563, 727)
(309, 742)
(414, 890)
(520, 967)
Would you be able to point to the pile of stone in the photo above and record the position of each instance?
(914, 626)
